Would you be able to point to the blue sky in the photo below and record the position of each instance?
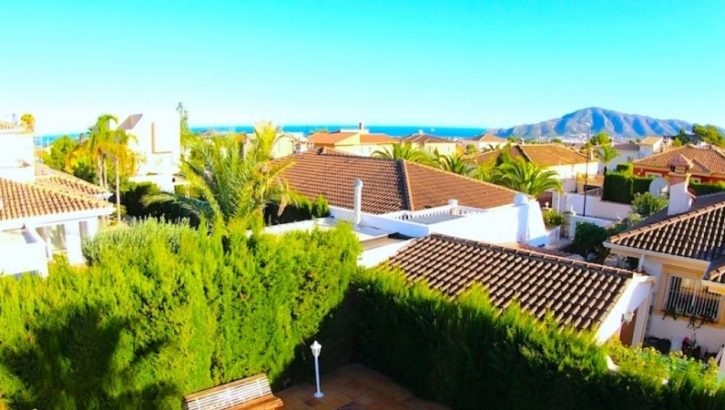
(467, 63)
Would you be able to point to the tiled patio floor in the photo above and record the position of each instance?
(353, 387)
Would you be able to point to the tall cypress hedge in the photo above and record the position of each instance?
(622, 187)
(162, 311)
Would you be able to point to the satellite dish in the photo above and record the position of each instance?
(659, 187)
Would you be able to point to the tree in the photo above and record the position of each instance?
(524, 176)
(233, 184)
(59, 157)
(404, 150)
(470, 149)
(607, 154)
(709, 134)
(600, 138)
(28, 122)
(186, 134)
(456, 164)
(646, 204)
(588, 241)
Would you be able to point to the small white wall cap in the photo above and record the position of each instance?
(521, 199)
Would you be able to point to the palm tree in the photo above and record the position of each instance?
(457, 164)
(406, 151)
(524, 176)
(607, 154)
(233, 183)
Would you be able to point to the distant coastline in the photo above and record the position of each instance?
(392, 130)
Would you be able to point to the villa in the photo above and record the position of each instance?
(43, 212)
(432, 144)
(157, 142)
(708, 163)
(357, 141)
(487, 141)
(683, 249)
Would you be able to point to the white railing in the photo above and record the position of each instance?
(441, 210)
(691, 300)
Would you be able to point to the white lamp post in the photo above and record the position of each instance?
(316, 348)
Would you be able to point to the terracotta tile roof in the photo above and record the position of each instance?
(578, 293)
(328, 137)
(377, 139)
(626, 146)
(389, 185)
(543, 155)
(650, 140)
(426, 139)
(706, 160)
(489, 138)
(697, 234)
(51, 178)
(24, 200)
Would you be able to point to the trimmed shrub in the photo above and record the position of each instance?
(132, 201)
(706, 189)
(165, 310)
(588, 239)
(302, 211)
(647, 204)
(621, 187)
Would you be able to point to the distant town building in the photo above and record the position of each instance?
(708, 163)
(356, 141)
(432, 144)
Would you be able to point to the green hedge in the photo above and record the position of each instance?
(166, 310)
(621, 187)
(465, 354)
(625, 168)
(705, 189)
(132, 200)
(304, 210)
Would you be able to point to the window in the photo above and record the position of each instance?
(687, 297)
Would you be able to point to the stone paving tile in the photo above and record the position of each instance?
(354, 387)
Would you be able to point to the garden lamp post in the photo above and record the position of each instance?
(316, 348)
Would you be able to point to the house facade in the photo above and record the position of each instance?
(488, 141)
(432, 144)
(708, 163)
(683, 249)
(42, 212)
(157, 143)
(352, 141)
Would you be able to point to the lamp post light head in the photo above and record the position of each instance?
(316, 348)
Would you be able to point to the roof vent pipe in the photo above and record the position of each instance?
(358, 201)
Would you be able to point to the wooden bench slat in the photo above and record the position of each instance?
(249, 393)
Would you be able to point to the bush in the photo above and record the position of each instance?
(165, 310)
(302, 211)
(625, 168)
(588, 239)
(647, 204)
(706, 189)
(552, 218)
(621, 187)
(466, 354)
(132, 200)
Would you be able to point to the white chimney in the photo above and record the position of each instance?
(358, 201)
(679, 175)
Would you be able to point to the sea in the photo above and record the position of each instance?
(392, 130)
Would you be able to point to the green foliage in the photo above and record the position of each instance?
(303, 209)
(61, 156)
(524, 176)
(406, 151)
(600, 138)
(709, 134)
(456, 164)
(588, 241)
(133, 201)
(621, 187)
(705, 189)
(607, 154)
(466, 354)
(625, 168)
(470, 149)
(165, 310)
(552, 218)
(647, 204)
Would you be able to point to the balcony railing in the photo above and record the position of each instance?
(692, 301)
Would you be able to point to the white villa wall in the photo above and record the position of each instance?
(522, 223)
(711, 338)
(596, 207)
(158, 143)
(623, 157)
(22, 251)
(634, 298)
(17, 157)
(571, 171)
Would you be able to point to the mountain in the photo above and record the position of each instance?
(589, 121)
